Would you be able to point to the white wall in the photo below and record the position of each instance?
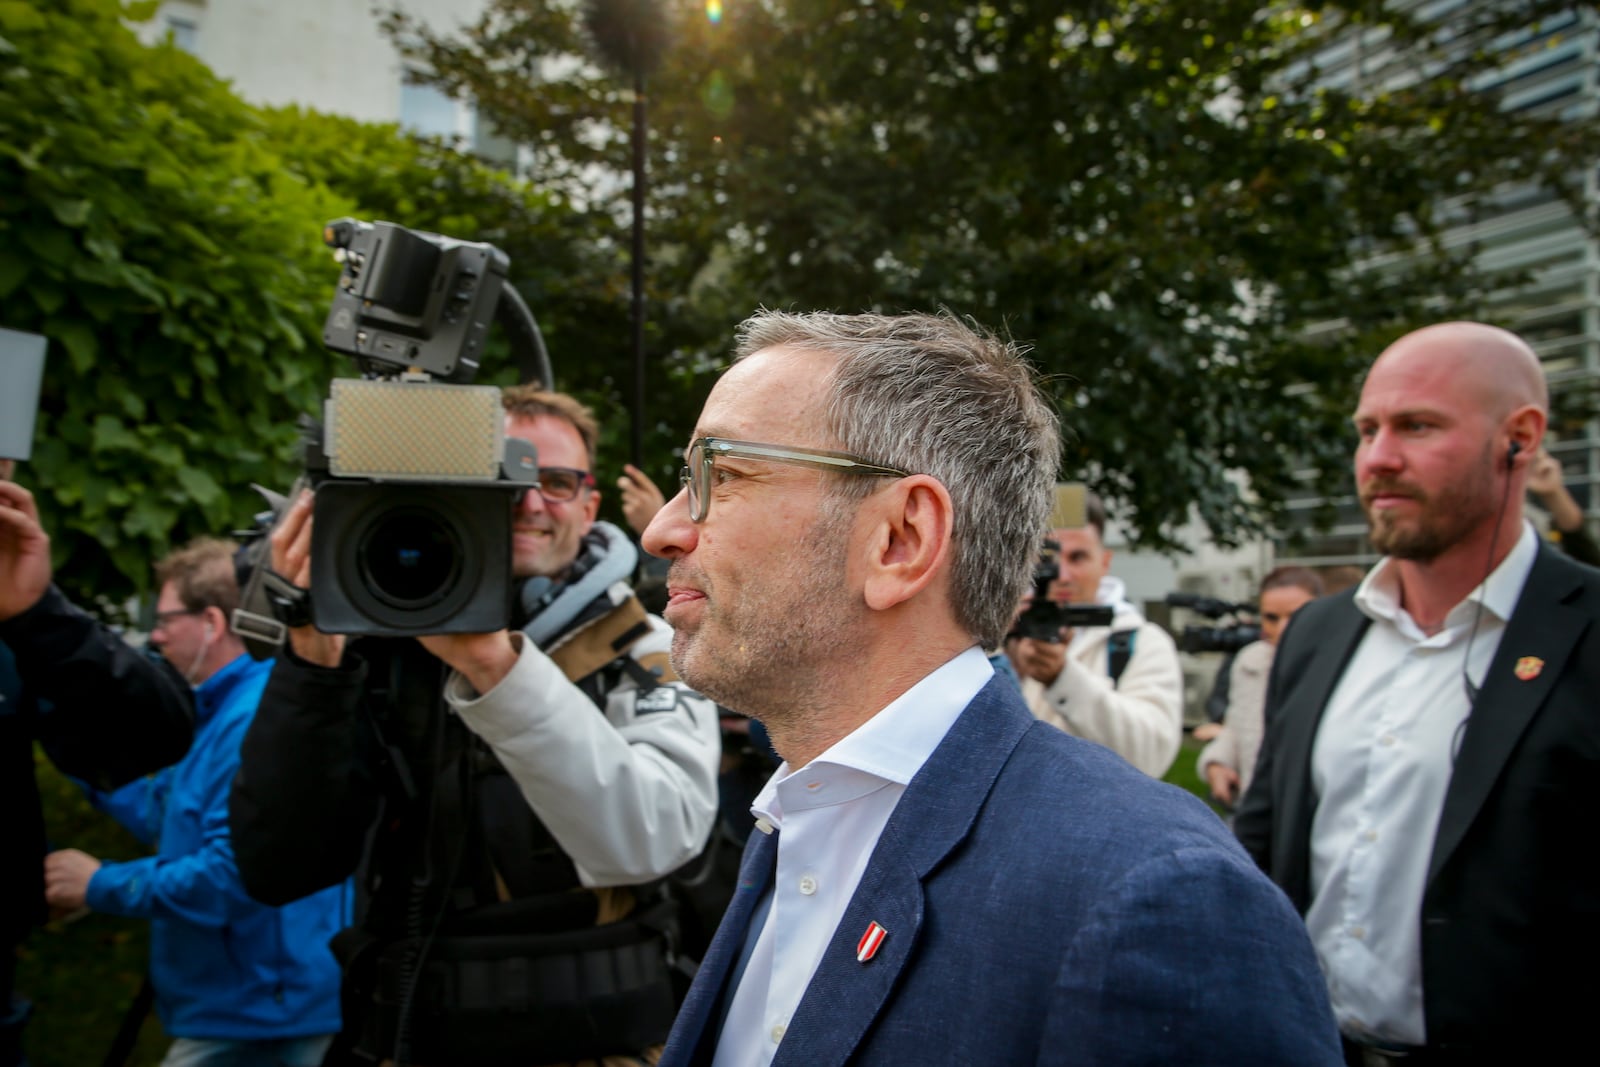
(326, 54)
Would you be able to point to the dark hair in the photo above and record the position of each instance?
(1292, 578)
(202, 574)
(1094, 514)
(530, 401)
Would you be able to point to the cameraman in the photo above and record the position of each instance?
(510, 871)
(1119, 685)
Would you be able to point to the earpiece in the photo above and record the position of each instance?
(1511, 453)
(208, 631)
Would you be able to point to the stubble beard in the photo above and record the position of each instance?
(1444, 519)
(777, 660)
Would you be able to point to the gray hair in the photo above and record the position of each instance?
(934, 395)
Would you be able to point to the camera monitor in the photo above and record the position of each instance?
(21, 374)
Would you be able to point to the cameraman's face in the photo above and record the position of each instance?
(544, 533)
(1084, 561)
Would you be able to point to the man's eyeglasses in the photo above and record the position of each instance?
(164, 618)
(704, 452)
(559, 485)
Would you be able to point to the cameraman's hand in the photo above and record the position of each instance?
(66, 880)
(1040, 660)
(640, 497)
(483, 659)
(291, 557)
(24, 551)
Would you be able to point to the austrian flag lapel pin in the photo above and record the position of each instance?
(1528, 668)
(867, 947)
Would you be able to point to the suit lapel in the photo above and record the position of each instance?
(936, 812)
(1545, 626)
(691, 1040)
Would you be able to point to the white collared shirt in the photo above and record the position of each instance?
(830, 814)
(1380, 766)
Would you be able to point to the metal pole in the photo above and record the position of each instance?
(637, 432)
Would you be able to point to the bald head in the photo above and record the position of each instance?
(1449, 419)
(1495, 366)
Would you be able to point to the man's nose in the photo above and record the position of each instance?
(530, 502)
(671, 533)
(1380, 452)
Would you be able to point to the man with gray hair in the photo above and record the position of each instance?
(937, 876)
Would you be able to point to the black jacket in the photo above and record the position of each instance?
(104, 712)
(1511, 909)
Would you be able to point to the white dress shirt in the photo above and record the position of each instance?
(1380, 766)
(830, 814)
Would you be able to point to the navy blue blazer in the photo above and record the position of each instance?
(1044, 902)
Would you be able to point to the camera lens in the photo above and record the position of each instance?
(410, 557)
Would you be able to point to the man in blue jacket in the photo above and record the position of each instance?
(237, 984)
(935, 876)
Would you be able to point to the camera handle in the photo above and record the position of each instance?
(527, 343)
(264, 634)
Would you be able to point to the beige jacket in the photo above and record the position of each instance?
(1242, 724)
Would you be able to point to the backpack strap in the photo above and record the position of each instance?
(1119, 650)
(600, 641)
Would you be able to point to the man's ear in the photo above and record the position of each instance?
(1525, 428)
(909, 540)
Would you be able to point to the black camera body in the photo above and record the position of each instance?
(412, 301)
(1226, 639)
(415, 479)
(410, 559)
(1043, 619)
(414, 492)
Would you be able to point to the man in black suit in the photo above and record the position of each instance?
(1429, 784)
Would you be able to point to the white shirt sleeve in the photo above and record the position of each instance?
(629, 795)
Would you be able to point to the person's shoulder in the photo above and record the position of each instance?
(1255, 657)
(1102, 795)
(1560, 575)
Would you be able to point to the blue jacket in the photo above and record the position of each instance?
(222, 965)
(1044, 903)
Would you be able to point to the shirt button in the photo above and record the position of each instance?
(1388, 740)
(808, 885)
(1358, 932)
(777, 1033)
(1370, 835)
(814, 785)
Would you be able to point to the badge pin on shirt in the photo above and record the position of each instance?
(867, 947)
(1528, 668)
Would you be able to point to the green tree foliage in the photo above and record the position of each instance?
(1158, 196)
(166, 237)
(147, 229)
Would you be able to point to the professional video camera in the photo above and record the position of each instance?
(1043, 619)
(1230, 638)
(415, 479)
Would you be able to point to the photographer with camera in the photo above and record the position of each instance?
(1229, 759)
(1119, 684)
(510, 801)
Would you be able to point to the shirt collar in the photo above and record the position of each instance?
(892, 746)
(1378, 595)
